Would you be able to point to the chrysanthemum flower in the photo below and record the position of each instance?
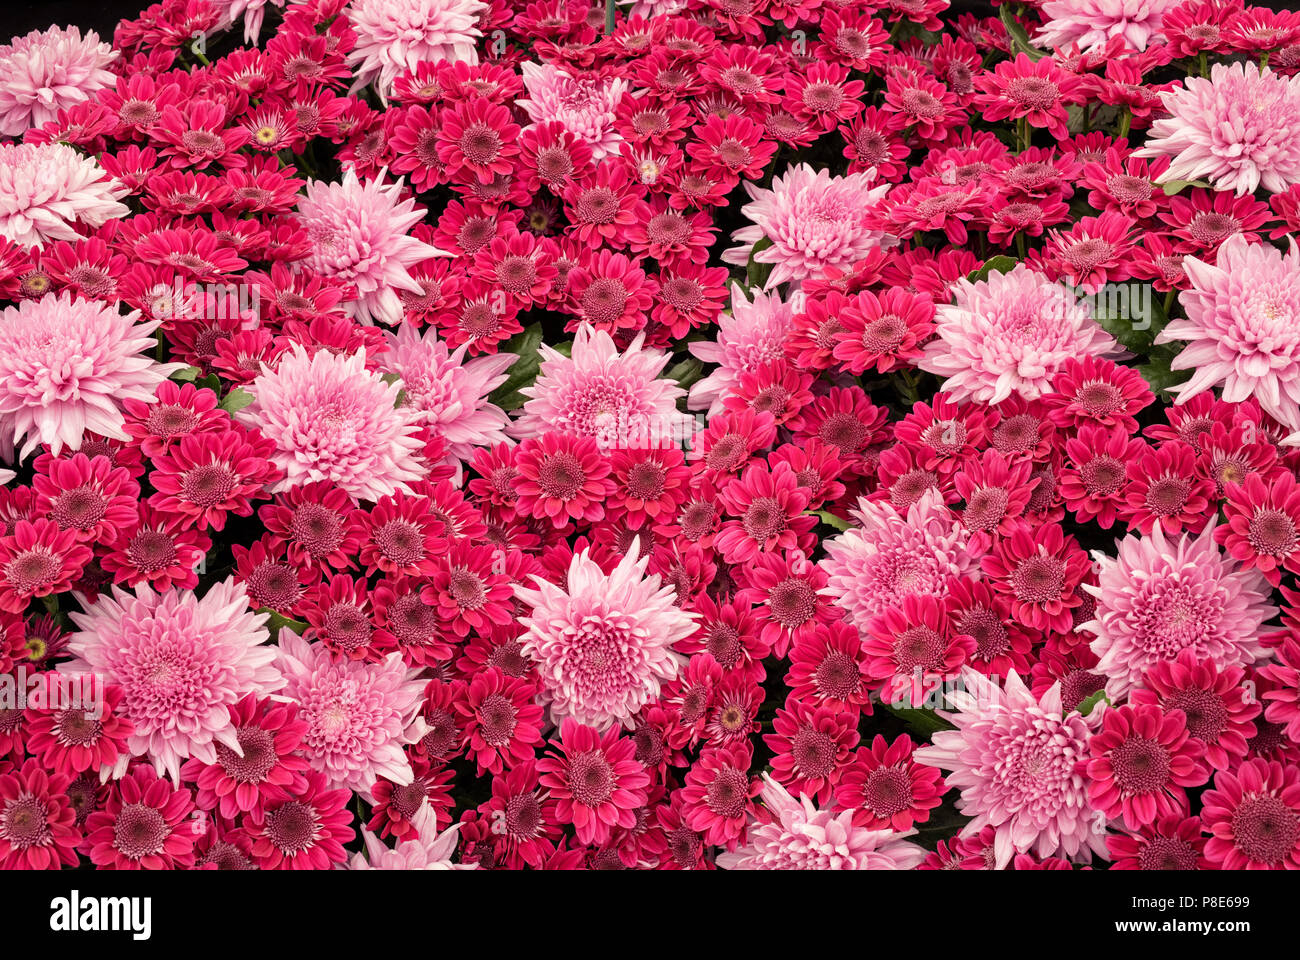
(316, 523)
(1241, 328)
(1174, 842)
(1038, 569)
(1219, 712)
(585, 104)
(910, 647)
(794, 835)
(603, 645)
(768, 510)
(1037, 90)
(182, 663)
(1010, 334)
(1262, 528)
(211, 475)
(503, 726)
(477, 141)
(142, 825)
(887, 789)
(1157, 598)
(561, 477)
(717, 798)
(427, 850)
(37, 823)
(38, 559)
(46, 73)
(331, 419)
(469, 590)
(66, 366)
(302, 830)
(1093, 23)
(1096, 390)
(1283, 700)
(395, 37)
(71, 741)
(1017, 761)
(596, 781)
(811, 744)
(1164, 490)
(359, 234)
(756, 332)
(359, 715)
(1237, 129)
(161, 548)
(813, 220)
(1253, 817)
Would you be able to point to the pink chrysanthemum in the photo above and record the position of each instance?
(66, 366)
(585, 105)
(302, 830)
(1253, 817)
(428, 850)
(46, 188)
(182, 663)
(596, 780)
(1094, 23)
(1174, 842)
(1157, 598)
(618, 398)
(1242, 327)
(359, 715)
(603, 646)
(887, 789)
(1219, 710)
(331, 419)
(1240, 129)
(37, 823)
(717, 797)
(813, 220)
(395, 36)
(36, 560)
(46, 73)
(792, 834)
(1010, 334)
(754, 333)
(1037, 90)
(142, 825)
(359, 235)
(1017, 761)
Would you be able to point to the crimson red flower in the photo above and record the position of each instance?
(1262, 528)
(1037, 90)
(768, 506)
(1174, 842)
(502, 723)
(477, 140)
(71, 741)
(163, 550)
(305, 829)
(828, 665)
(142, 825)
(1097, 390)
(1253, 817)
(37, 823)
(610, 292)
(717, 798)
(524, 814)
(596, 781)
(887, 789)
(36, 560)
(1219, 712)
(882, 332)
(317, 523)
(1038, 570)
(1165, 488)
(1094, 479)
(561, 477)
(785, 587)
(208, 476)
(401, 535)
(811, 744)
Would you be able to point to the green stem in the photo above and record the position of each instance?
(1020, 245)
(1203, 62)
(1169, 302)
(1022, 133)
(609, 16)
(1124, 121)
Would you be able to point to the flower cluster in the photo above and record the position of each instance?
(451, 434)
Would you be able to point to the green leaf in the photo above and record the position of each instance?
(186, 374)
(524, 371)
(390, 378)
(1178, 186)
(1018, 37)
(686, 373)
(1087, 704)
(278, 621)
(923, 722)
(1132, 320)
(210, 382)
(829, 518)
(236, 400)
(998, 264)
(1158, 373)
(756, 273)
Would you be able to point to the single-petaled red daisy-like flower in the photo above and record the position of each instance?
(596, 781)
(717, 798)
(502, 724)
(304, 829)
(561, 477)
(142, 825)
(887, 789)
(1263, 524)
(37, 823)
(1253, 817)
(811, 744)
(1038, 570)
(72, 741)
(36, 560)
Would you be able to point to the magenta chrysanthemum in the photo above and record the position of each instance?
(359, 235)
(396, 36)
(48, 72)
(66, 366)
(331, 419)
(46, 188)
(603, 646)
(1240, 129)
(1009, 334)
(814, 221)
(1157, 598)
(181, 661)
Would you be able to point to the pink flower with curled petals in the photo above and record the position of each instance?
(396, 36)
(48, 72)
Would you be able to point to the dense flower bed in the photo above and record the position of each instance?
(739, 433)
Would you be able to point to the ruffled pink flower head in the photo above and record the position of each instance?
(813, 220)
(395, 36)
(66, 366)
(45, 73)
(1010, 334)
(46, 188)
(585, 105)
(1094, 23)
(754, 333)
(359, 234)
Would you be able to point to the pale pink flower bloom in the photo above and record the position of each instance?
(253, 12)
(603, 644)
(426, 850)
(891, 556)
(1017, 762)
(395, 36)
(46, 188)
(359, 234)
(181, 661)
(1240, 130)
(604, 393)
(66, 366)
(1092, 23)
(814, 221)
(752, 334)
(585, 104)
(44, 73)
(332, 419)
(1158, 597)
(443, 389)
(798, 836)
(1010, 334)
(359, 715)
(1242, 327)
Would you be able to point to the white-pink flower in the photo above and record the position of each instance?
(44, 73)
(813, 221)
(603, 644)
(359, 715)
(426, 850)
(1242, 327)
(601, 392)
(1092, 23)
(67, 364)
(359, 234)
(1240, 130)
(46, 188)
(585, 104)
(1017, 762)
(332, 419)
(752, 334)
(1010, 334)
(181, 661)
(395, 36)
(798, 836)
